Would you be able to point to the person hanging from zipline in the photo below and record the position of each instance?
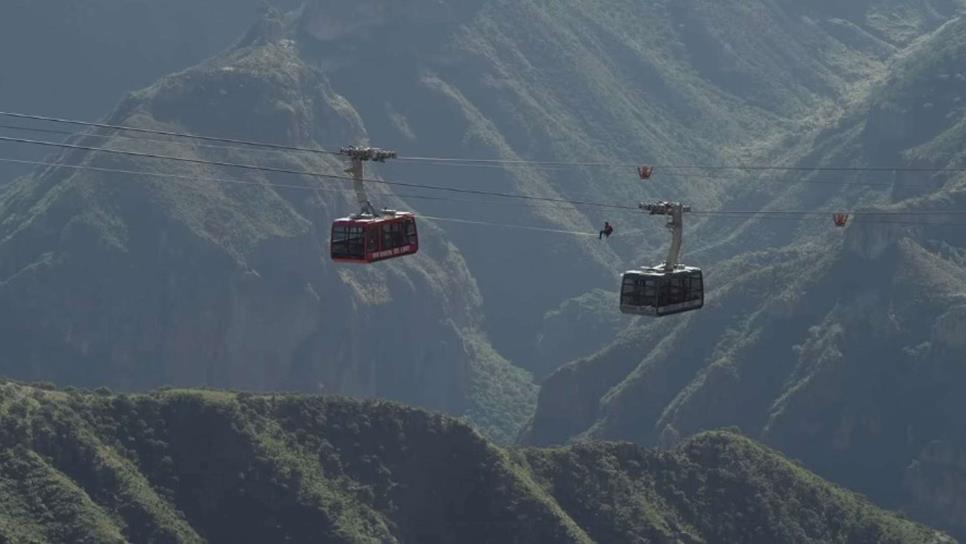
(608, 230)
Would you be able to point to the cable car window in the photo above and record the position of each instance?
(697, 288)
(629, 290)
(386, 236)
(372, 236)
(340, 236)
(663, 292)
(648, 292)
(675, 286)
(411, 232)
(356, 242)
(340, 233)
(396, 229)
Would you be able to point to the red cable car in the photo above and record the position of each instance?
(367, 238)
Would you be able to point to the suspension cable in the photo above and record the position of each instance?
(277, 170)
(548, 168)
(125, 128)
(503, 162)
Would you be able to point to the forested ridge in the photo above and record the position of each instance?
(208, 466)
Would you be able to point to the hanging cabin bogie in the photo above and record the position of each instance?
(656, 292)
(368, 239)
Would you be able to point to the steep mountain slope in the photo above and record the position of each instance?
(672, 82)
(843, 351)
(182, 466)
(138, 281)
(134, 281)
(190, 282)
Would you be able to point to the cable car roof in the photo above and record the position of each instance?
(660, 271)
(387, 214)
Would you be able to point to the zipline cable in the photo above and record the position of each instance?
(345, 191)
(791, 215)
(436, 187)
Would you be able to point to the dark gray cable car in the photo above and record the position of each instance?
(666, 289)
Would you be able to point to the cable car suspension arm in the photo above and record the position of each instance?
(675, 223)
(359, 156)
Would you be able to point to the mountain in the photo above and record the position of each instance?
(669, 82)
(209, 275)
(206, 466)
(841, 349)
(141, 281)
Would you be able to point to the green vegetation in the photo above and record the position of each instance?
(192, 281)
(134, 281)
(206, 466)
(838, 348)
(815, 344)
(578, 327)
